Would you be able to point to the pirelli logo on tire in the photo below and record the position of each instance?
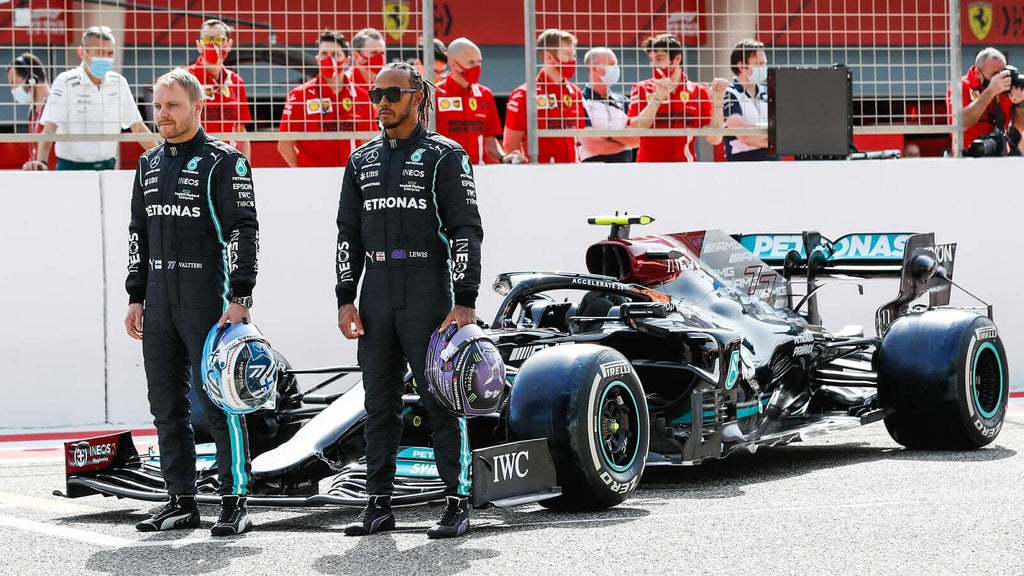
(611, 369)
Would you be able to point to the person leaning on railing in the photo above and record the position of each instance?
(227, 105)
(327, 103)
(670, 100)
(89, 99)
(28, 80)
(559, 101)
(605, 109)
(746, 102)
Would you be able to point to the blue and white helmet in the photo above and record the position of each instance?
(240, 369)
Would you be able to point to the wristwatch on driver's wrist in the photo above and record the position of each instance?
(244, 301)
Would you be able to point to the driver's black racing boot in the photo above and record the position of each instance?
(180, 512)
(454, 520)
(376, 517)
(233, 517)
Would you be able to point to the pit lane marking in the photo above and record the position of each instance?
(9, 500)
(87, 536)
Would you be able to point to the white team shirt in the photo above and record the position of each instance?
(77, 106)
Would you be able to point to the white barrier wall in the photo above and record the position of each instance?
(534, 218)
(51, 300)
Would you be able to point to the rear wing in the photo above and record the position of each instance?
(861, 254)
(921, 264)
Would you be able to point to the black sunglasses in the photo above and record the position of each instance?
(394, 94)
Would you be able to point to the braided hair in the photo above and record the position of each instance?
(417, 82)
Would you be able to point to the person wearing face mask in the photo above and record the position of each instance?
(227, 105)
(989, 99)
(327, 103)
(28, 80)
(746, 102)
(89, 99)
(466, 111)
(670, 100)
(368, 57)
(605, 109)
(559, 101)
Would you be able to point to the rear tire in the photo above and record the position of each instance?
(587, 401)
(945, 374)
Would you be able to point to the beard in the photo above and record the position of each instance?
(178, 129)
(396, 119)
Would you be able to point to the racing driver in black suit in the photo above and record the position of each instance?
(192, 260)
(408, 216)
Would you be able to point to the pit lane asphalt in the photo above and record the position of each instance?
(850, 503)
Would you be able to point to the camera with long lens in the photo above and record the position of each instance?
(992, 144)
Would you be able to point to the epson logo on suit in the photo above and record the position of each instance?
(172, 210)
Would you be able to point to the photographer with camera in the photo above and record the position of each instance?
(992, 93)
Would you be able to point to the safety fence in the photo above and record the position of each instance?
(902, 54)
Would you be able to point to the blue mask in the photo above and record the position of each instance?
(100, 66)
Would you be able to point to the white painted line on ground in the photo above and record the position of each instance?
(46, 504)
(64, 532)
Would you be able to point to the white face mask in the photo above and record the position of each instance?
(611, 74)
(21, 96)
(758, 74)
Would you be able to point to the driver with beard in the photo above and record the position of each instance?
(408, 216)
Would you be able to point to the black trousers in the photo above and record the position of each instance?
(399, 311)
(178, 316)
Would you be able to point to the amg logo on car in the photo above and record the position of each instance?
(172, 210)
(614, 369)
(395, 202)
(986, 333)
(509, 466)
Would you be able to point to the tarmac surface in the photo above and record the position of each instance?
(850, 503)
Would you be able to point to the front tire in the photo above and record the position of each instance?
(588, 402)
(946, 375)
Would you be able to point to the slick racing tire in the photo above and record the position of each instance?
(588, 403)
(945, 374)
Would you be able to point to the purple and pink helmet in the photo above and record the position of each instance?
(465, 372)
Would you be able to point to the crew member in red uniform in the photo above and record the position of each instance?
(368, 57)
(465, 109)
(327, 103)
(671, 100)
(29, 85)
(559, 101)
(227, 106)
(986, 89)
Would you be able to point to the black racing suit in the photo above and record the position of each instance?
(408, 215)
(193, 240)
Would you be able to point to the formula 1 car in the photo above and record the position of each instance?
(674, 349)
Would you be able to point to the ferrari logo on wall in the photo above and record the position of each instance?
(979, 15)
(396, 18)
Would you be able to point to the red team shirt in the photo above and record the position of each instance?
(227, 106)
(689, 106)
(971, 90)
(466, 114)
(559, 107)
(315, 107)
